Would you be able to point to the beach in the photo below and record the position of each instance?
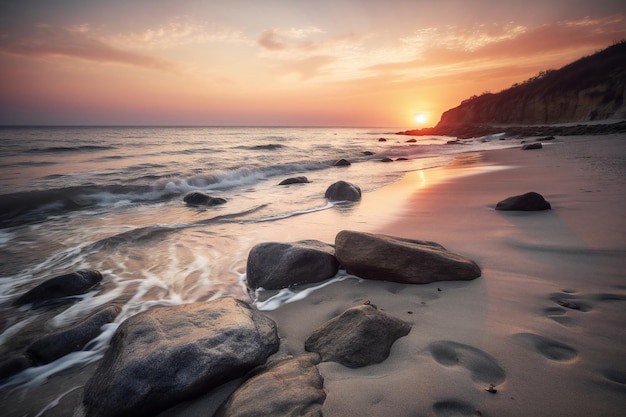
(544, 325)
(557, 360)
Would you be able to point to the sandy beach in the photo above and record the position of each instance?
(544, 324)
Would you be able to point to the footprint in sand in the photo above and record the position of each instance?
(570, 301)
(482, 366)
(549, 348)
(558, 314)
(454, 408)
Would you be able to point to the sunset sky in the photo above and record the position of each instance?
(280, 62)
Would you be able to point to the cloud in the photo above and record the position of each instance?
(77, 42)
(269, 40)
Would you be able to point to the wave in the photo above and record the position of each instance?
(268, 147)
(29, 206)
(60, 149)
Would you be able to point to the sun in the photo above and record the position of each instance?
(420, 118)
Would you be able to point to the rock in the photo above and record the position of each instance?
(402, 159)
(166, 355)
(53, 346)
(74, 283)
(292, 387)
(546, 139)
(526, 202)
(14, 365)
(294, 180)
(343, 191)
(411, 140)
(382, 140)
(534, 145)
(454, 142)
(198, 198)
(342, 163)
(368, 153)
(360, 336)
(388, 258)
(274, 265)
(386, 160)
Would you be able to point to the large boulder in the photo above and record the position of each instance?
(55, 345)
(526, 202)
(198, 198)
(273, 265)
(292, 387)
(360, 336)
(388, 258)
(66, 285)
(343, 191)
(170, 354)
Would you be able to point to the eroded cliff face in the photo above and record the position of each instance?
(592, 88)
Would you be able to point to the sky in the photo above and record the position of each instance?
(366, 63)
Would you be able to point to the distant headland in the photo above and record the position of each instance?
(584, 97)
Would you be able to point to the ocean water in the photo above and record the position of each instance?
(111, 199)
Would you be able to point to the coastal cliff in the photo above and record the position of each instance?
(590, 89)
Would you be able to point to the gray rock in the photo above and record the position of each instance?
(386, 160)
(526, 202)
(170, 354)
(294, 180)
(273, 265)
(360, 336)
(292, 387)
(387, 258)
(342, 163)
(55, 345)
(198, 198)
(66, 285)
(343, 191)
(534, 145)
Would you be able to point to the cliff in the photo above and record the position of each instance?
(590, 89)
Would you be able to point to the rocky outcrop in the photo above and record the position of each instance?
(343, 191)
(273, 265)
(360, 336)
(526, 202)
(292, 387)
(387, 258)
(198, 198)
(170, 354)
(74, 283)
(294, 180)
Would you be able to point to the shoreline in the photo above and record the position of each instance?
(556, 360)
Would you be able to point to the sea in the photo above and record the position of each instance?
(111, 199)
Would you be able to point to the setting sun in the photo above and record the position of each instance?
(420, 118)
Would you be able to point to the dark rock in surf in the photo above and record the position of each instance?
(360, 336)
(526, 202)
(546, 139)
(166, 355)
(197, 198)
(411, 141)
(388, 258)
(386, 160)
(402, 159)
(294, 180)
(274, 265)
(53, 346)
(534, 145)
(10, 366)
(342, 163)
(368, 153)
(291, 387)
(382, 140)
(343, 191)
(66, 285)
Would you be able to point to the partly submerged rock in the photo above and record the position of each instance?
(294, 180)
(292, 387)
(273, 265)
(74, 283)
(170, 354)
(525, 202)
(198, 198)
(342, 163)
(55, 345)
(343, 191)
(360, 336)
(388, 258)
(534, 145)
(386, 160)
